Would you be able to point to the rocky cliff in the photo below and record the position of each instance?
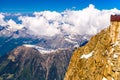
(99, 59)
(27, 63)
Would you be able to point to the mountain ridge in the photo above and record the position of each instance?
(27, 63)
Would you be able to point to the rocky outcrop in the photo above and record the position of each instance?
(27, 63)
(99, 59)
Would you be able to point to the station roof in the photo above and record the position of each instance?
(115, 18)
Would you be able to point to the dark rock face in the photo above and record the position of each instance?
(57, 64)
(25, 63)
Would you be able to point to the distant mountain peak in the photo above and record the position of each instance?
(21, 51)
(27, 63)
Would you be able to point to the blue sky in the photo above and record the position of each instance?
(54, 5)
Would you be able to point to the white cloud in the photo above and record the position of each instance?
(2, 22)
(39, 25)
(13, 26)
(49, 23)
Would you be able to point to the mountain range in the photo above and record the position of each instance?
(11, 39)
(26, 56)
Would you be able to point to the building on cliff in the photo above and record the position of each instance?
(115, 18)
(115, 22)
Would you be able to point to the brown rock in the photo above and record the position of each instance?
(104, 61)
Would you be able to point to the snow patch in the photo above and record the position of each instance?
(104, 78)
(76, 46)
(113, 79)
(71, 37)
(86, 56)
(28, 45)
(110, 62)
(40, 49)
(115, 44)
(115, 56)
(71, 41)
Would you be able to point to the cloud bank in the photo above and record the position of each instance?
(11, 24)
(87, 21)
